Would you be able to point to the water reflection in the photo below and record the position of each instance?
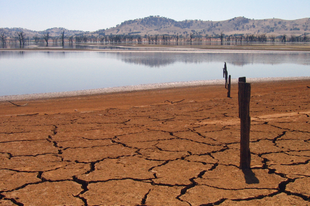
(239, 59)
(22, 54)
(162, 59)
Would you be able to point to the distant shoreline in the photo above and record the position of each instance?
(305, 47)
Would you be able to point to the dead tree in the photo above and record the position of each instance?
(63, 38)
(46, 37)
(71, 40)
(21, 38)
(3, 39)
(55, 40)
(191, 36)
(36, 39)
(222, 38)
(156, 39)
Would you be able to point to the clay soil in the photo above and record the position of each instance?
(175, 146)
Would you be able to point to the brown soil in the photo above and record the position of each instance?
(160, 147)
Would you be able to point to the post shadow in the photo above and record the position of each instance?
(249, 176)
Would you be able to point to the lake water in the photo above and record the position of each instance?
(43, 72)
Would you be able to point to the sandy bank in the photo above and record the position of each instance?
(137, 88)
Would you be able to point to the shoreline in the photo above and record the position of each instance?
(143, 87)
(127, 49)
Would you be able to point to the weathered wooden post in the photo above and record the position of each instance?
(229, 86)
(241, 80)
(244, 95)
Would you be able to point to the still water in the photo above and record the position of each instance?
(43, 72)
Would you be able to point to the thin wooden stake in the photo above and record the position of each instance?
(225, 74)
(245, 123)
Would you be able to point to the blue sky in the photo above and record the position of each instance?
(92, 15)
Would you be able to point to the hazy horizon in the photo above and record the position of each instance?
(101, 14)
(134, 19)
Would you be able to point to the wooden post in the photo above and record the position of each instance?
(241, 80)
(229, 86)
(244, 95)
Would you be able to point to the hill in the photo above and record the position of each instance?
(156, 25)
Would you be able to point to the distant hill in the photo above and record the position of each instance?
(240, 25)
(156, 25)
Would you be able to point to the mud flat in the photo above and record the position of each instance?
(168, 146)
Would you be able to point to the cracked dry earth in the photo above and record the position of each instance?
(162, 147)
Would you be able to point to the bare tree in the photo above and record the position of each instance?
(156, 39)
(139, 40)
(36, 39)
(283, 39)
(305, 38)
(46, 37)
(63, 38)
(55, 40)
(71, 40)
(293, 38)
(101, 39)
(272, 38)
(21, 38)
(84, 39)
(251, 38)
(78, 39)
(3, 39)
(262, 38)
(222, 38)
(191, 36)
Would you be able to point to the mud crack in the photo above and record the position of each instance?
(278, 137)
(143, 201)
(84, 186)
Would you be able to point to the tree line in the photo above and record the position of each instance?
(165, 39)
(22, 39)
